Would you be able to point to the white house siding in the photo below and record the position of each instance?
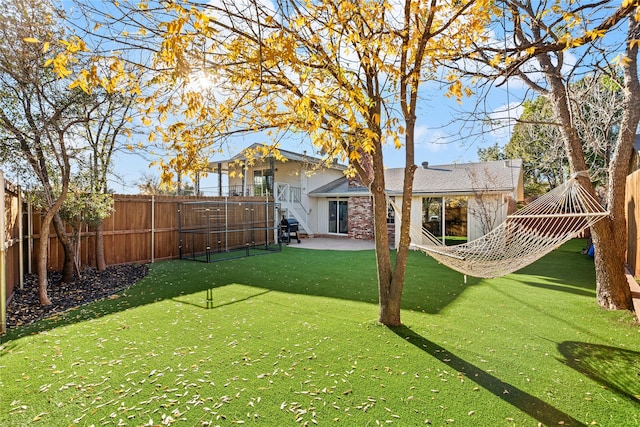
(495, 205)
(416, 218)
(319, 207)
(285, 172)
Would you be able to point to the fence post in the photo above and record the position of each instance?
(29, 236)
(21, 238)
(153, 217)
(3, 260)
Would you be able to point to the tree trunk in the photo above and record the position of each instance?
(611, 286)
(612, 290)
(67, 246)
(611, 237)
(390, 290)
(400, 267)
(100, 262)
(388, 300)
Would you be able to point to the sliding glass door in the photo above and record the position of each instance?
(338, 217)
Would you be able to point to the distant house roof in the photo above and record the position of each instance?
(289, 155)
(502, 176)
(463, 178)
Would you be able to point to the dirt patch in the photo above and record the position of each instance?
(25, 308)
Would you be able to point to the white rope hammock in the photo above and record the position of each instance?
(524, 237)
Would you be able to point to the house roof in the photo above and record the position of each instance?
(339, 188)
(502, 176)
(289, 155)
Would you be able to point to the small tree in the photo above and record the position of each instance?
(84, 208)
(108, 119)
(486, 203)
(38, 113)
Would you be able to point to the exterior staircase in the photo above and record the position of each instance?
(290, 201)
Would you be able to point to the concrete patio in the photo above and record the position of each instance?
(336, 244)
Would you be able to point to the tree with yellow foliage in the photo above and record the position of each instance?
(346, 74)
(37, 115)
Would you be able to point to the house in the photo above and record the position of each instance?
(461, 201)
(288, 180)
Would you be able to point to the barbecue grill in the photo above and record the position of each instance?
(288, 228)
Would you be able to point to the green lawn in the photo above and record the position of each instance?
(291, 339)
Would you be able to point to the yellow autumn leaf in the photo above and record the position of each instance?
(621, 60)
(30, 40)
(594, 34)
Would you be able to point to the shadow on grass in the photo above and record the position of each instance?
(347, 275)
(209, 304)
(615, 368)
(531, 405)
(566, 270)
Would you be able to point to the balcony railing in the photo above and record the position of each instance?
(237, 191)
(285, 193)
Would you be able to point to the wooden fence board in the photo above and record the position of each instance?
(12, 214)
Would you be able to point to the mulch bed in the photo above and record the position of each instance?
(25, 308)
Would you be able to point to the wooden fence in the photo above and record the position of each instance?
(633, 222)
(11, 249)
(142, 229)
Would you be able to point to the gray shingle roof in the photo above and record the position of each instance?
(462, 178)
(455, 179)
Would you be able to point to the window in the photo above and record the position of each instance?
(445, 217)
(391, 213)
(262, 182)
